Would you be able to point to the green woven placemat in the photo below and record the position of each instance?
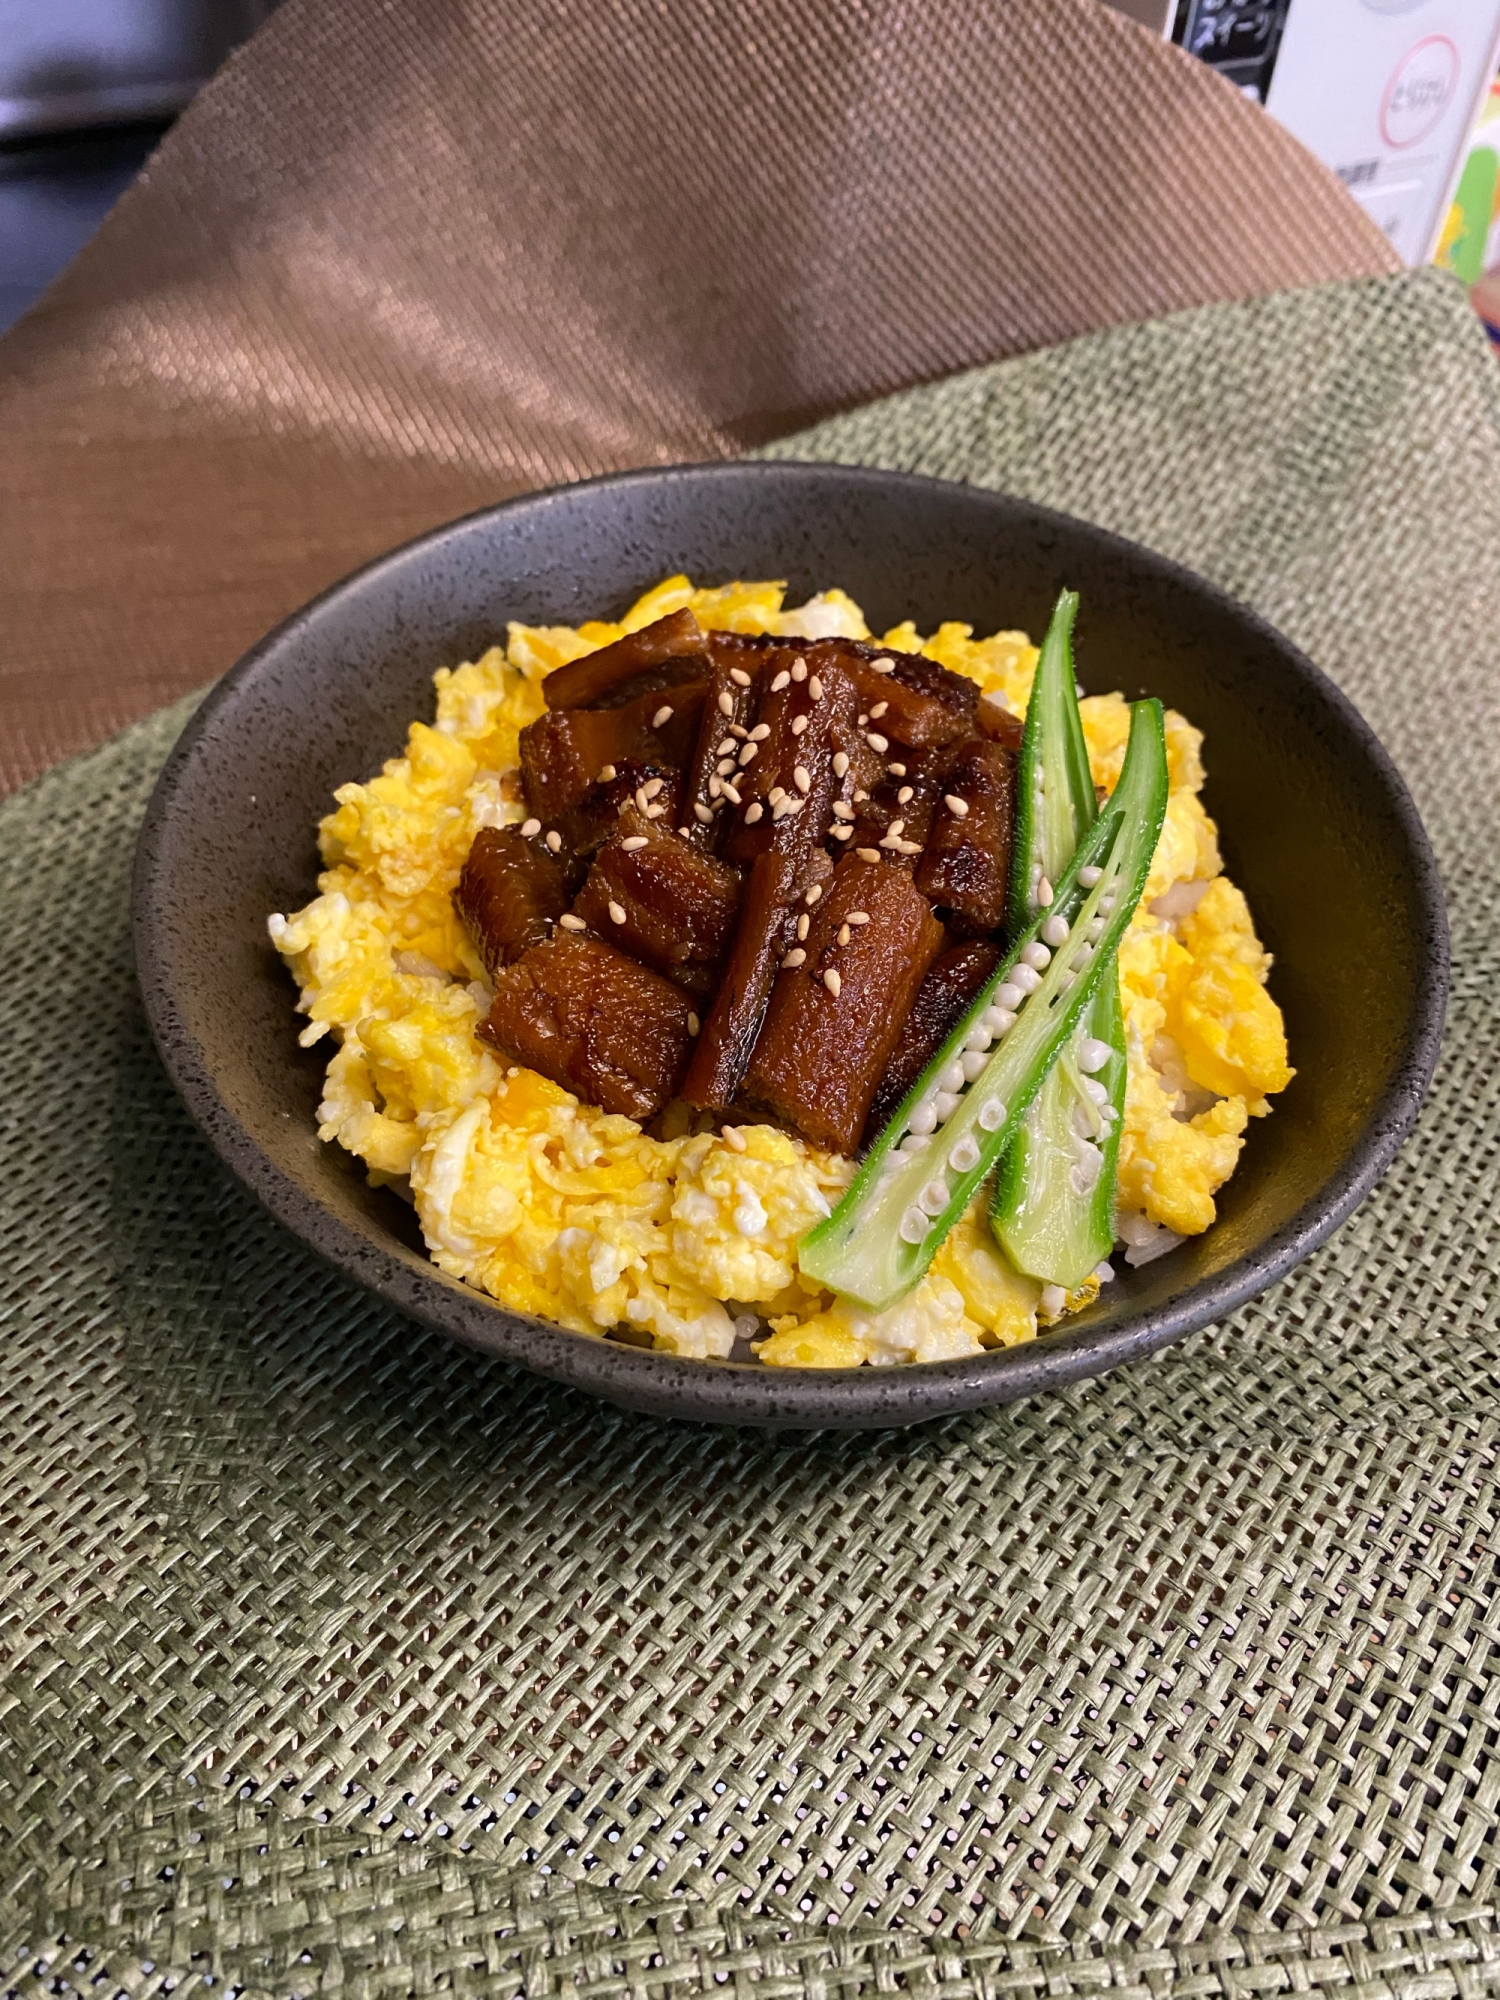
(339, 1658)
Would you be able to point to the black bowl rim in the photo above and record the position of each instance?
(747, 1393)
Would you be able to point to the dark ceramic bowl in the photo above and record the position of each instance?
(1317, 828)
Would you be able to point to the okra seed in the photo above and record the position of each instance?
(1009, 996)
(634, 843)
(554, 841)
(740, 678)
(991, 1115)
(973, 1062)
(663, 714)
(934, 1197)
(531, 829)
(952, 1077)
(1037, 956)
(572, 923)
(1044, 892)
(783, 679)
(832, 981)
(753, 812)
(1096, 1090)
(1055, 930)
(1052, 1301)
(1092, 1054)
(913, 1226)
(1025, 977)
(913, 1143)
(726, 702)
(1095, 930)
(799, 671)
(999, 1020)
(945, 1104)
(965, 1155)
(924, 1118)
(1089, 876)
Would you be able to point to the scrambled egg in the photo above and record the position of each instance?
(688, 1241)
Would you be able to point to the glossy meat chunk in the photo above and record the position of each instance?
(786, 784)
(510, 893)
(897, 815)
(966, 862)
(839, 1002)
(727, 710)
(672, 650)
(564, 753)
(614, 1032)
(651, 894)
(728, 1037)
(953, 979)
(652, 790)
(917, 703)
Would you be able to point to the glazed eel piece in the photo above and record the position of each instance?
(664, 655)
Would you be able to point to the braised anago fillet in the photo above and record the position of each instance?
(637, 948)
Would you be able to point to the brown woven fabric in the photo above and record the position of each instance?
(399, 261)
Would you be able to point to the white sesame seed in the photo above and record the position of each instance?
(760, 732)
(572, 923)
(1037, 956)
(868, 853)
(694, 1024)
(616, 913)
(802, 923)
(860, 796)
(908, 847)
(841, 810)
(815, 688)
(863, 720)
(734, 1137)
(663, 714)
(859, 916)
(802, 779)
(844, 832)
(904, 795)
(781, 808)
(726, 748)
(840, 763)
(896, 770)
(844, 933)
(715, 786)
(1055, 930)
(957, 806)
(554, 841)
(608, 775)
(530, 829)
(878, 710)
(702, 813)
(832, 981)
(738, 731)
(724, 766)
(776, 794)
(876, 741)
(740, 678)
(1089, 876)
(897, 827)
(1044, 893)
(652, 786)
(726, 702)
(793, 959)
(636, 840)
(686, 832)
(748, 754)
(730, 793)
(753, 812)
(799, 671)
(783, 679)
(799, 723)
(883, 665)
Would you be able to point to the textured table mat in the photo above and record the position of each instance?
(398, 261)
(338, 1659)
